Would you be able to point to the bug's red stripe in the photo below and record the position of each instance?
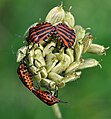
(68, 33)
(61, 32)
(32, 34)
(64, 40)
(44, 30)
(67, 29)
(65, 34)
(43, 35)
(43, 26)
(40, 37)
(40, 32)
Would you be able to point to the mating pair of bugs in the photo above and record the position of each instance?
(42, 31)
(26, 77)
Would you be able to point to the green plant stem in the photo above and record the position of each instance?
(57, 111)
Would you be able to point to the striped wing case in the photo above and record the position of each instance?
(40, 32)
(65, 34)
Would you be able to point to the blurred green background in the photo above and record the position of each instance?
(89, 97)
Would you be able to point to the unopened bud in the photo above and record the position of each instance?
(69, 19)
(39, 57)
(51, 61)
(48, 48)
(34, 69)
(72, 67)
(80, 32)
(55, 77)
(48, 83)
(21, 53)
(71, 77)
(55, 15)
(78, 51)
(38, 77)
(88, 63)
(62, 65)
(43, 73)
(87, 41)
(97, 49)
(70, 53)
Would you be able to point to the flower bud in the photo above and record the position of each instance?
(88, 63)
(48, 83)
(78, 50)
(39, 57)
(70, 53)
(43, 73)
(69, 19)
(30, 57)
(72, 67)
(71, 77)
(38, 77)
(55, 77)
(80, 32)
(48, 48)
(60, 55)
(87, 41)
(21, 53)
(33, 69)
(55, 15)
(37, 64)
(97, 49)
(51, 61)
(62, 65)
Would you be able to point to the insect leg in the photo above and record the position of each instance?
(56, 91)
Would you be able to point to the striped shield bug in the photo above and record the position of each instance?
(40, 32)
(65, 34)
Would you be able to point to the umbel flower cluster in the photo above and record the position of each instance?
(51, 61)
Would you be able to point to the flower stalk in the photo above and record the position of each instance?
(56, 111)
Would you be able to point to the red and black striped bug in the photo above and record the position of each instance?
(46, 97)
(40, 32)
(44, 30)
(25, 75)
(65, 34)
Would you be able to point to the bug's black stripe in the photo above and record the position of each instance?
(67, 31)
(63, 26)
(31, 30)
(38, 34)
(69, 35)
(41, 36)
(69, 39)
(39, 27)
(66, 28)
(44, 26)
(63, 38)
(64, 41)
(44, 30)
(61, 32)
(32, 36)
(44, 33)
